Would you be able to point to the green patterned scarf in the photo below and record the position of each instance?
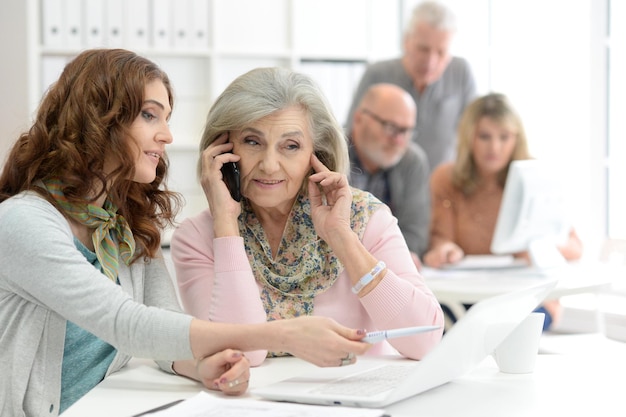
(112, 237)
(305, 265)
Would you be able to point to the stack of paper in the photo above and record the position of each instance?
(206, 405)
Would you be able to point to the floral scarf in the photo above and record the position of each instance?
(305, 265)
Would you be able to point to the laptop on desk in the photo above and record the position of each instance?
(376, 382)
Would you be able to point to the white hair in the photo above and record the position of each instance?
(434, 14)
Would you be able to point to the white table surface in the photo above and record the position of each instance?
(471, 286)
(457, 287)
(582, 375)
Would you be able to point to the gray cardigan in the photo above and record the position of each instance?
(45, 280)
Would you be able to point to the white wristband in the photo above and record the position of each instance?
(369, 277)
(172, 369)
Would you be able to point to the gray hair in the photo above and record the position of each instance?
(434, 14)
(263, 91)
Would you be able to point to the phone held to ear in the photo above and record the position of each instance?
(230, 172)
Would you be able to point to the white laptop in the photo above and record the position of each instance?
(374, 382)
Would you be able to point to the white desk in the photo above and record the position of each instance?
(575, 381)
(457, 287)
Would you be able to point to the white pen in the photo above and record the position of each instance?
(375, 337)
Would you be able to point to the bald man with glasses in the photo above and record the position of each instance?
(441, 84)
(387, 163)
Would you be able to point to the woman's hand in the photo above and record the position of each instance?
(331, 207)
(316, 339)
(227, 371)
(331, 201)
(445, 253)
(320, 340)
(224, 209)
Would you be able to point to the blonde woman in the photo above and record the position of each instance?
(466, 194)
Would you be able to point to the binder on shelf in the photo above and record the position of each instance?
(322, 74)
(72, 23)
(93, 27)
(338, 80)
(199, 27)
(52, 23)
(114, 18)
(137, 24)
(343, 89)
(161, 24)
(181, 20)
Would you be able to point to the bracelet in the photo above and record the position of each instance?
(369, 277)
(173, 370)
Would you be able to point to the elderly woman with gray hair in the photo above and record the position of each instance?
(301, 241)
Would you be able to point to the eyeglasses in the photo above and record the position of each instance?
(390, 128)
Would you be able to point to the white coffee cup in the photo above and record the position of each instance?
(517, 353)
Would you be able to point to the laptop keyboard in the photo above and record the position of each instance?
(370, 382)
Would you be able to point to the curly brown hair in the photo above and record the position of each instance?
(83, 116)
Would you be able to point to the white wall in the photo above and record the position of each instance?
(542, 59)
(617, 121)
(15, 104)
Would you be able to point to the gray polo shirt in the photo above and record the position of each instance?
(439, 107)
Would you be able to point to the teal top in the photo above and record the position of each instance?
(86, 358)
(45, 284)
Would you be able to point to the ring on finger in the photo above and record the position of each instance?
(235, 382)
(347, 360)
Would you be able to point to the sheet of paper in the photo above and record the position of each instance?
(470, 262)
(205, 405)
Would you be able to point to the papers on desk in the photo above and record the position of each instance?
(472, 262)
(206, 405)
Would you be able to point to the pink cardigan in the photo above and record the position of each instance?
(216, 283)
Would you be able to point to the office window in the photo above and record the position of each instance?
(617, 120)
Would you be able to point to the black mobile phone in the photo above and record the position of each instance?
(230, 172)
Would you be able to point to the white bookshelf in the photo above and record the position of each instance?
(202, 45)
